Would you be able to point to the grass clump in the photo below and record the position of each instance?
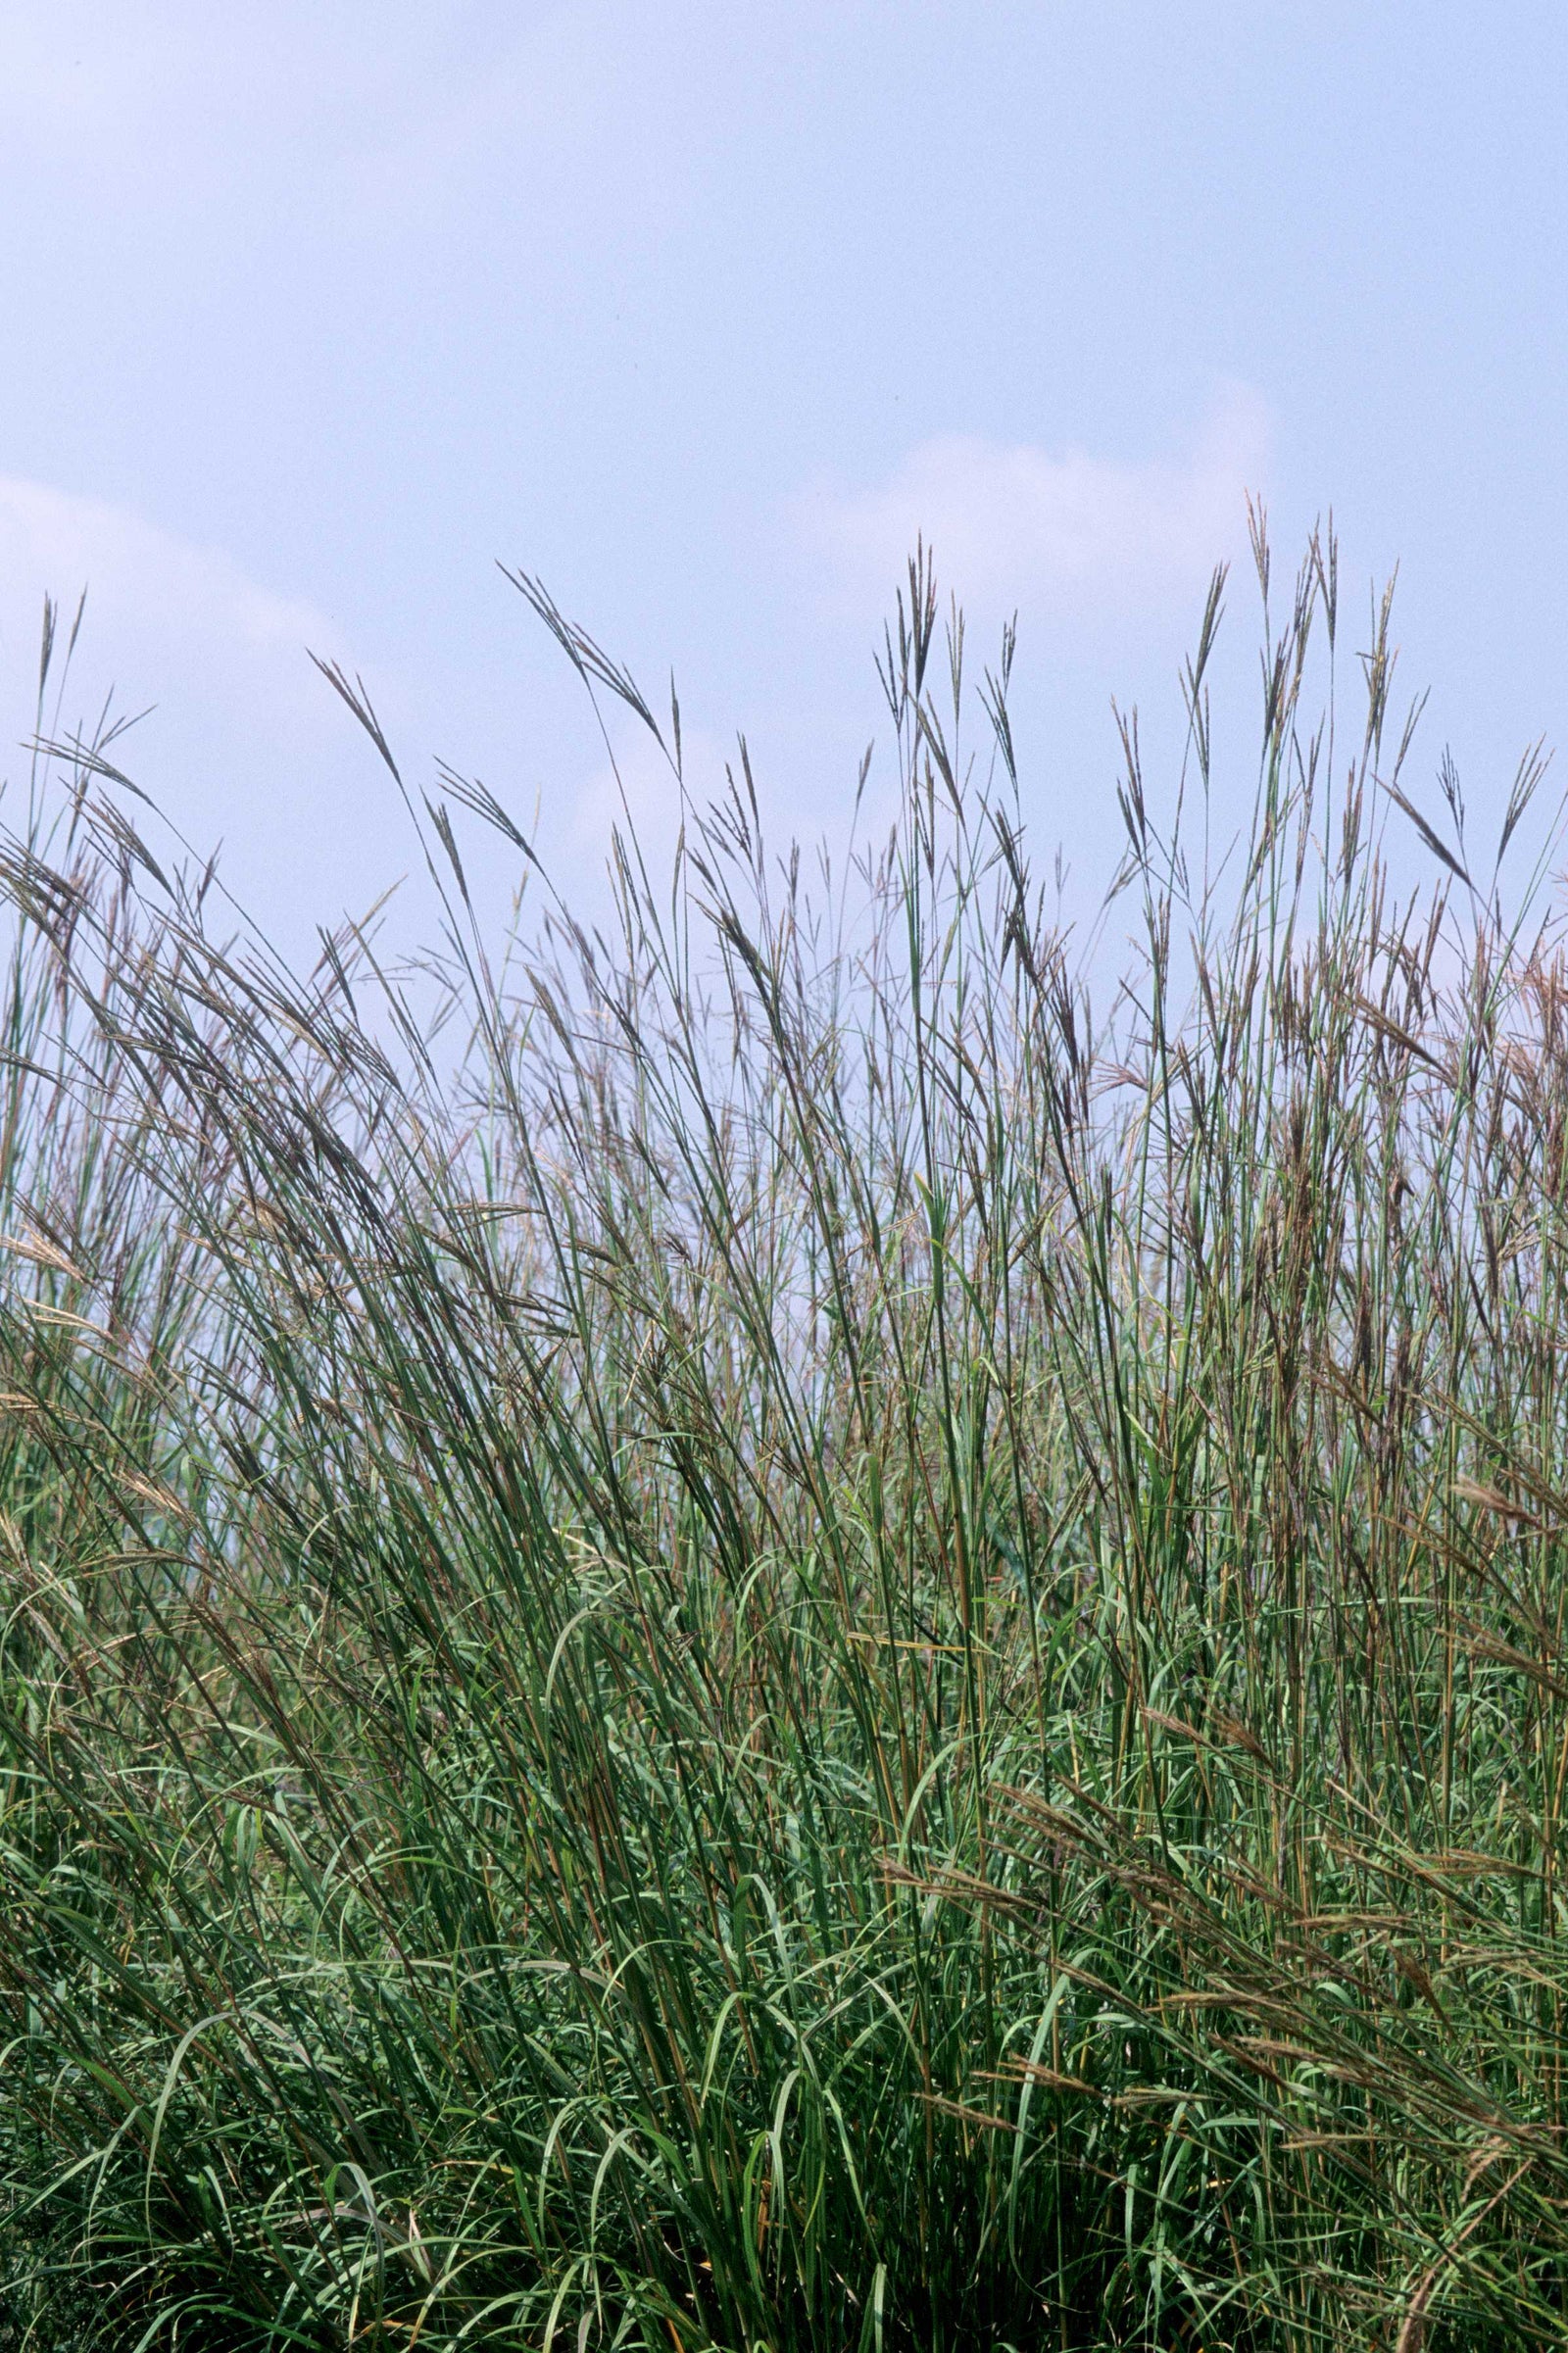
(808, 1650)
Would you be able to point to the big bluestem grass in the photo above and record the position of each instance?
(811, 1651)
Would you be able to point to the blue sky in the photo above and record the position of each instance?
(313, 310)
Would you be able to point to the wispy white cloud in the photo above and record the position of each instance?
(246, 740)
(1064, 530)
(557, 115)
(162, 590)
(243, 737)
(641, 796)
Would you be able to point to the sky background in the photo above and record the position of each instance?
(313, 311)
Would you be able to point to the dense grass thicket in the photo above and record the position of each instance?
(772, 1636)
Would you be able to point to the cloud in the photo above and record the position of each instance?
(552, 115)
(1077, 536)
(244, 739)
(245, 742)
(161, 589)
(640, 795)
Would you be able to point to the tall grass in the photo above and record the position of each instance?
(812, 1649)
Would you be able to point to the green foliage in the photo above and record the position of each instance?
(808, 1652)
